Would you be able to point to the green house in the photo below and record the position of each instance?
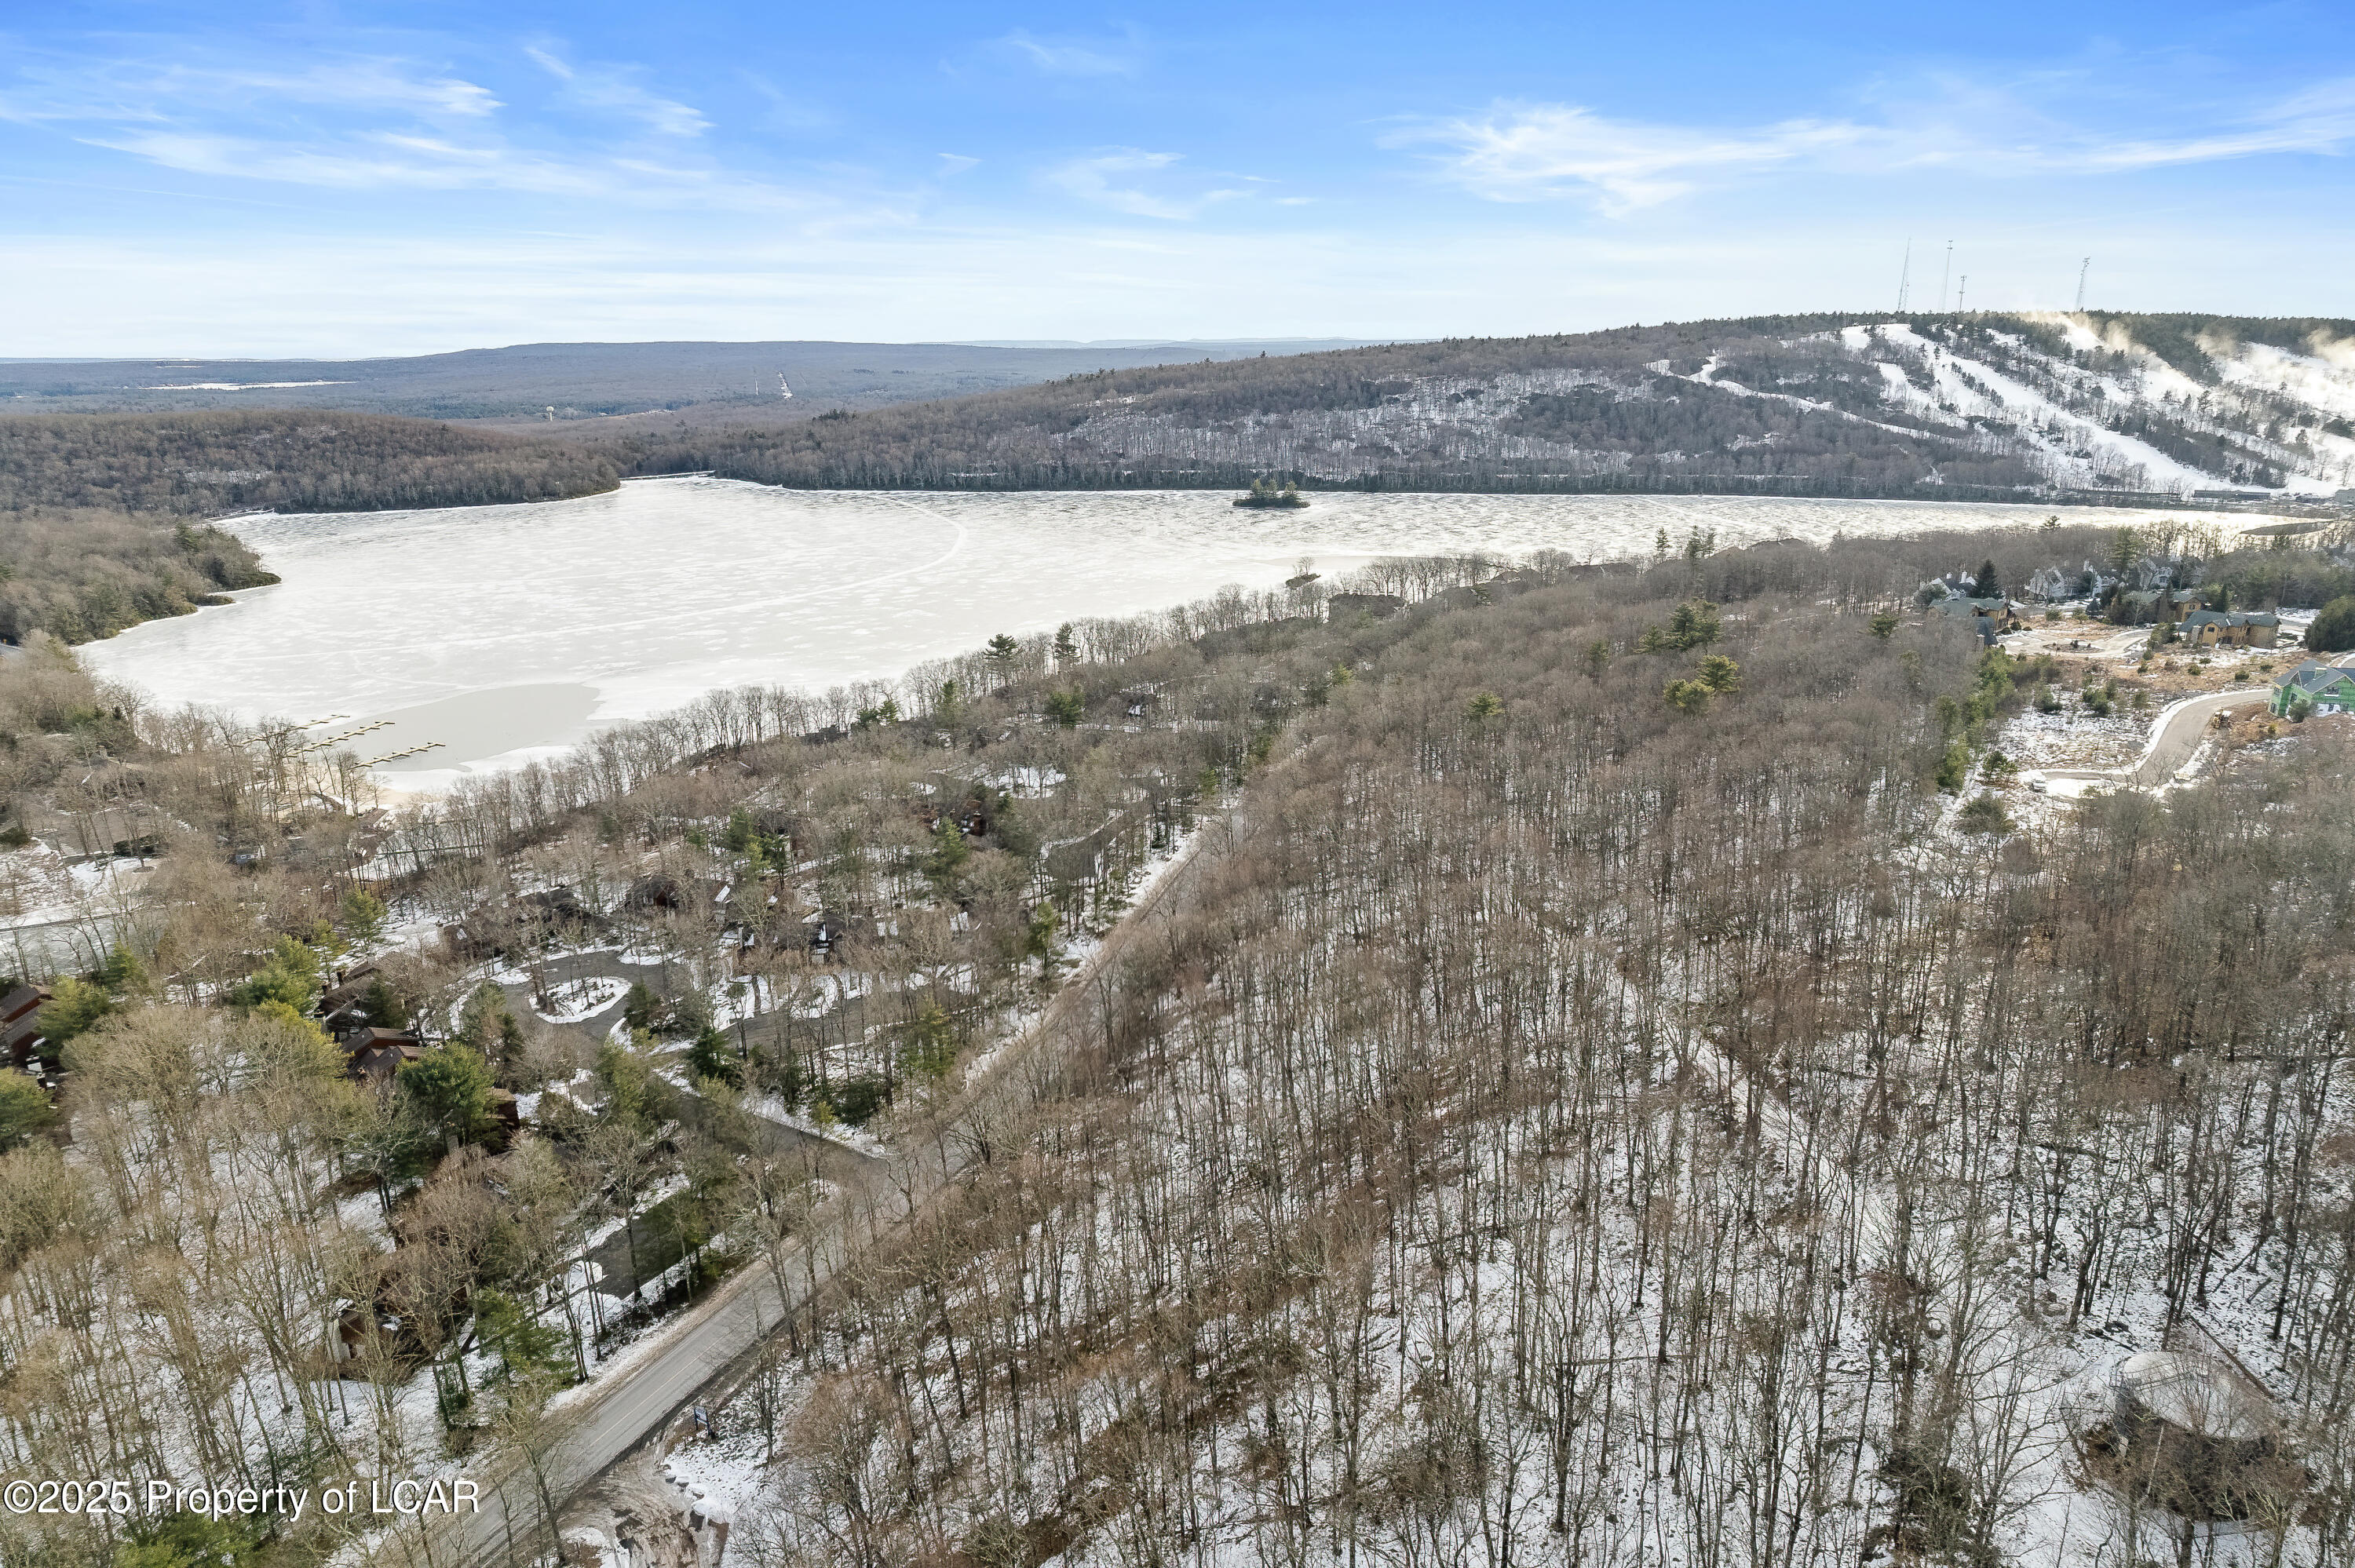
(2328, 687)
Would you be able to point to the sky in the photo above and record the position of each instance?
(340, 180)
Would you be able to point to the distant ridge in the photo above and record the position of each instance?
(1980, 406)
(1237, 345)
(590, 380)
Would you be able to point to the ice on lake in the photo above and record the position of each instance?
(502, 632)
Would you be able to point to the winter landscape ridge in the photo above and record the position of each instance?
(1987, 405)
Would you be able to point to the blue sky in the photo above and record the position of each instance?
(345, 179)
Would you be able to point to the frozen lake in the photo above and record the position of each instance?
(503, 630)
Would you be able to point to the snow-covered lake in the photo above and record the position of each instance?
(504, 631)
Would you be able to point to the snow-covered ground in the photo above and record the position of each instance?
(575, 1001)
(505, 632)
(2075, 737)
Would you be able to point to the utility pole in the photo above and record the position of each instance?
(1962, 289)
(1946, 272)
(1905, 275)
(2081, 271)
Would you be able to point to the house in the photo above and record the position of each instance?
(558, 910)
(20, 1023)
(2049, 583)
(1347, 607)
(2327, 688)
(1139, 700)
(1987, 617)
(656, 891)
(1504, 585)
(827, 930)
(345, 1001)
(377, 1054)
(2216, 627)
(2204, 628)
(378, 1061)
(967, 802)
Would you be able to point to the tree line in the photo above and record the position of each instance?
(281, 459)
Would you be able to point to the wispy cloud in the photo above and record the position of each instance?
(371, 161)
(1116, 179)
(387, 122)
(131, 89)
(1540, 152)
(611, 89)
(1066, 57)
(956, 163)
(2321, 119)
(1519, 153)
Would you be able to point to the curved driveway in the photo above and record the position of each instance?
(2174, 741)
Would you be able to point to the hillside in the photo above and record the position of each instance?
(1629, 1071)
(1981, 406)
(277, 460)
(85, 574)
(569, 381)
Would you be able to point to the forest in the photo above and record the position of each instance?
(1575, 1125)
(210, 463)
(1629, 1074)
(86, 573)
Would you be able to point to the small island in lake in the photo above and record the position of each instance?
(1264, 493)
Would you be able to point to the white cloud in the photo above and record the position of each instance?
(134, 90)
(1094, 179)
(956, 163)
(392, 160)
(387, 122)
(1535, 152)
(2321, 119)
(375, 161)
(610, 90)
(1057, 58)
(1546, 152)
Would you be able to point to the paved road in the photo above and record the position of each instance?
(2176, 738)
(600, 963)
(2174, 743)
(630, 1405)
